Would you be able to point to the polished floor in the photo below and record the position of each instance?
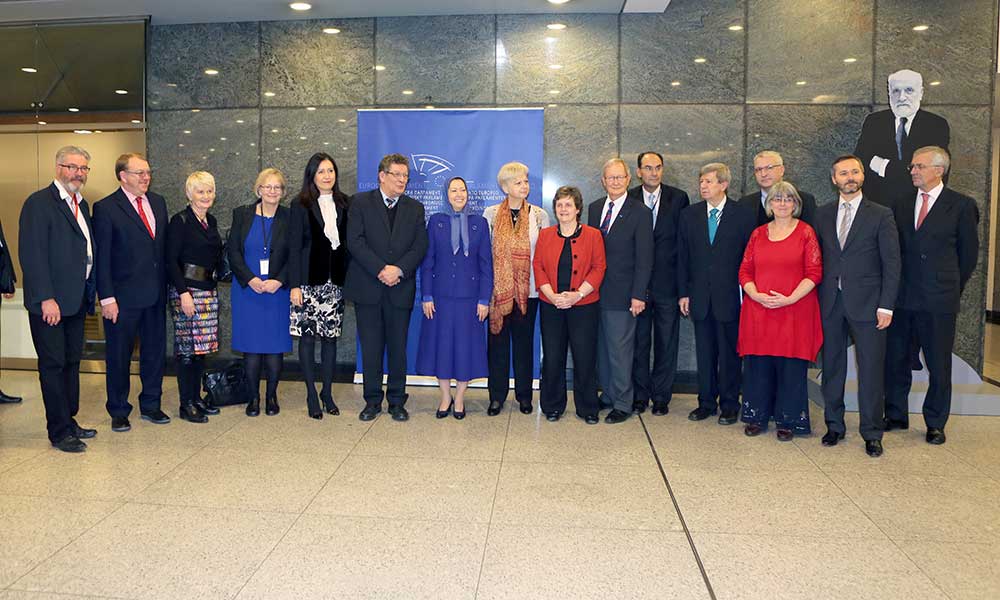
(505, 507)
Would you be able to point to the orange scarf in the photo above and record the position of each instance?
(511, 264)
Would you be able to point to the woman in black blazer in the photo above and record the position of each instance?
(259, 258)
(194, 253)
(318, 266)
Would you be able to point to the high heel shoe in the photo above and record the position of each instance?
(318, 415)
(328, 404)
(444, 413)
(458, 414)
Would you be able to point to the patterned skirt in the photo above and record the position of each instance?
(321, 313)
(199, 333)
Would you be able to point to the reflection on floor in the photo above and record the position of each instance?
(505, 507)
(991, 352)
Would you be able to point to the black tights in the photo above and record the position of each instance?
(272, 371)
(307, 358)
(189, 369)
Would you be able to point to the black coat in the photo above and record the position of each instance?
(808, 208)
(628, 248)
(313, 259)
(53, 253)
(279, 259)
(190, 243)
(663, 281)
(709, 274)
(130, 264)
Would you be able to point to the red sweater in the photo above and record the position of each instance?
(588, 261)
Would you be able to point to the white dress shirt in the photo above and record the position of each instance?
(721, 207)
(619, 202)
(933, 193)
(68, 198)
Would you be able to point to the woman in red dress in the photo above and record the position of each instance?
(780, 329)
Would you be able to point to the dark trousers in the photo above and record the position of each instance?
(615, 356)
(150, 325)
(718, 363)
(869, 346)
(59, 349)
(936, 334)
(576, 329)
(382, 330)
(517, 337)
(656, 328)
(775, 387)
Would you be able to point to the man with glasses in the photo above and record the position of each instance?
(938, 234)
(56, 250)
(131, 229)
(769, 169)
(627, 226)
(387, 239)
(657, 326)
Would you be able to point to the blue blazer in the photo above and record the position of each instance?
(447, 275)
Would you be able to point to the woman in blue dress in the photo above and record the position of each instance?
(258, 256)
(456, 282)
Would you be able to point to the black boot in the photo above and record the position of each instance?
(187, 389)
(253, 407)
(271, 407)
(329, 360)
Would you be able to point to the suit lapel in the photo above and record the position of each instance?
(130, 211)
(64, 210)
(315, 210)
(378, 205)
(937, 212)
(623, 214)
(856, 223)
(702, 221)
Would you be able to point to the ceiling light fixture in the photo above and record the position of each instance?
(73, 109)
(735, 28)
(136, 122)
(42, 123)
(331, 31)
(675, 83)
(195, 110)
(558, 1)
(310, 108)
(380, 67)
(556, 26)
(935, 83)
(269, 94)
(300, 6)
(553, 92)
(407, 92)
(800, 83)
(29, 69)
(850, 59)
(187, 131)
(211, 71)
(555, 67)
(121, 92)
(240, 121)
(699, 60)
(921, 28)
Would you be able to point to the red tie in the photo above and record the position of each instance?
(142, 215)
(76, 208)
(923, 208)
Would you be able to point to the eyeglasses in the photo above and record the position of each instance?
(399, 176)
(75, 168)
(272, 188)
(146, 173)
(782, 200)
(615, 177)
(652, 168)
(766, 168)
(920, 166)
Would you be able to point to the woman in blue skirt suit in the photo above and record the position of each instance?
(456, 284)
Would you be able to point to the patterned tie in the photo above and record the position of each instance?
(713, 224)
(142, 215)
(924, 207)
(845, 224)
(390, 202)
(900, 137)
(651, 203)
(606, 223)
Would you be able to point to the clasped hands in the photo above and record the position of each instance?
(390, 275)
(264, 287)
(772, 300)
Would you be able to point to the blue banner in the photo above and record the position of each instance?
(441, 144)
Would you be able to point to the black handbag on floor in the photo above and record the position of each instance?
(227, 386)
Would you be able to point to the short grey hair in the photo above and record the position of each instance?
(721, 171)
(941, 158)
(783, 189)
(613, 161)
(198, 179)
(65, 151)
(769, 154)
(905, 74)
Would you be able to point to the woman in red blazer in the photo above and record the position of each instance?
(569, 266)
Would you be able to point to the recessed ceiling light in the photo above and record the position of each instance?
(380, 67)
(407, 92)
(302, 137)
(921, 28)
(699, 60)
(29, 69)
(253, 143)
(98, 131)
(331, 30)
(274, 131)
(555, 67)
(310, 108)
(136, 122)
(558, 1)
(553, 105)
(675, 83)
(556, 26)
(735, 28)
(277, 149)
(341, 120)
(211, 71)
(211, 149)
(42, 123)
(83, 131)
(553, 92)
(195, 110)
(121, 92)
(343, 147)
(180, 145)
(171, 85)
(240, 121)
(222, 139)
(850, 59)
(429, 106)
(300, 6)
(800, 83)
(269, 94)
(73, 109)
(326, 143)
(935, 83)
(187, 131)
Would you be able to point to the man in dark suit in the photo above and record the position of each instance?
(56, 249)
(940, 245)
(131, 229)
(889, 137)
(712, 236)
(657, 326)
(860, 281)
(627, 227)
(387, 239)
(7, 280)
(769, 169)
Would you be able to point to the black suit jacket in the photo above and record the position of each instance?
(130, 264)
(868, 267)
(939, 258)
(629, 251)
(373, 245)
(808, 208)
(663, 281)
(878, 138)
(7, 277)
(53, 253)
(709, 274)
(280, 257)
(313, 261)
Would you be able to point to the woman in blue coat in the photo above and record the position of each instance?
(456, 284)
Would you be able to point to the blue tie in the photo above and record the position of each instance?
(606, 223)
(900, 137)
(713, 224)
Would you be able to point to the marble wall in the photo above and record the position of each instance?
(708, 80)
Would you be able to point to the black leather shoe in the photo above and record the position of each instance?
(526, 408)
(639, 407)
(83, 433)
(753, 430)
(70, 443)
(891, 424)
(591, 419)
(494, 408)
(329, 405)
(369, 412)
(253, 407)
(399, 413)
(873, 448)
(206, 407)
(8, 399)
(785, 435)
(552, 416)
(727, 417)
(271, 407)
(155, 416)
(193, 414)
(830, 438)
(616, 416)
(660, 408)
(440, 414)
(120, 424)
(935, 436)
(700, 414)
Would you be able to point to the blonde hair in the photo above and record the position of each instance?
(613, 161)
(267, 173)
(509, 172)
(198, 179)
